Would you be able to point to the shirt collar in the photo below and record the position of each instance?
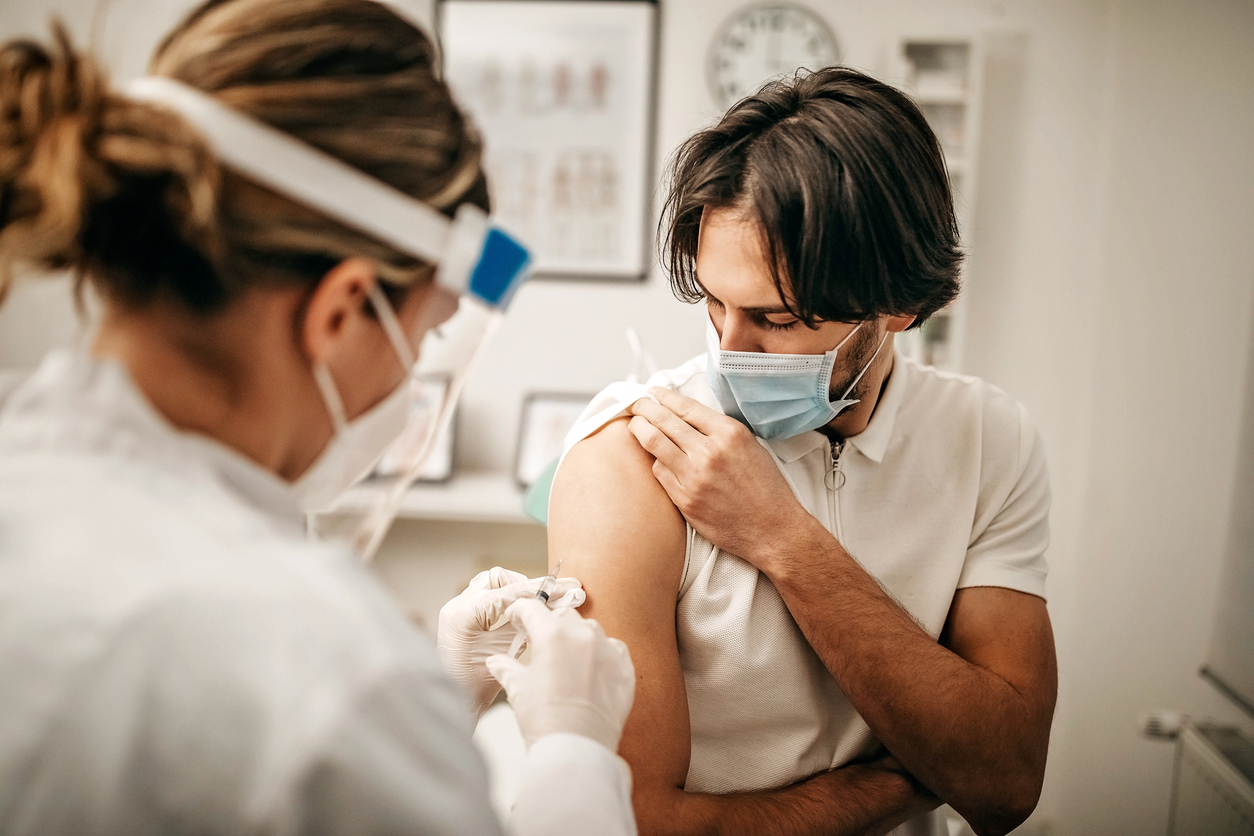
(871, 442)
(788, 450)
(259, 487)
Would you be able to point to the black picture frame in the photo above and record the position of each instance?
(528, 153)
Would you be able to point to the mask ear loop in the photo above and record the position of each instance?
(330, 396)
(868, 365)
(392, 326)
(849, 336)
(396, 336)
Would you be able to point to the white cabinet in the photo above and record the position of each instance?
(945, 76)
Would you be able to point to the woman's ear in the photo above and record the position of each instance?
(336, 305)
(897, 324)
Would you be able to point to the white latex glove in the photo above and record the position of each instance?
(579, 681)
(465, 639)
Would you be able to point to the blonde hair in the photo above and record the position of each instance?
(131, 198)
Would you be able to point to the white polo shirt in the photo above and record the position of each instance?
(945, 489)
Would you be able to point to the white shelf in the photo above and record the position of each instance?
(945, 75)
(484, 497)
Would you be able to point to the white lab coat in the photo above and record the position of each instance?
(175, 657)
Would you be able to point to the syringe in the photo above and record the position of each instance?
(542, 594)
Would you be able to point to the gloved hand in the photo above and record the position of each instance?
(579, 680)
(464, 639)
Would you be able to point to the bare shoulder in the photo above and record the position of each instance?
(613, 525)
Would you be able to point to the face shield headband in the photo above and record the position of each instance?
(475, 261)
(473, 257)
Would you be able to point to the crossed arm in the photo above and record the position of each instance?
(616, 529)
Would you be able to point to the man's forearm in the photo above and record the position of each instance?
(957, 726)
(853, 800)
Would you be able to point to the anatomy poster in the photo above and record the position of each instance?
(562, 93)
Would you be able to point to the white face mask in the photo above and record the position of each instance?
(357, 445)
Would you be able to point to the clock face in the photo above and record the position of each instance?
(764, 42)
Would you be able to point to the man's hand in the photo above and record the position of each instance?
(716, 473)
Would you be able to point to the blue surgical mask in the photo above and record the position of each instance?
(778, 395)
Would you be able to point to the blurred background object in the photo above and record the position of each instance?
(1102, 156)
(766, 41)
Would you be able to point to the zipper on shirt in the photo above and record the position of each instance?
(834, 479)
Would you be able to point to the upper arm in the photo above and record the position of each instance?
(1008, 633)
(613, 527)
(998, 620)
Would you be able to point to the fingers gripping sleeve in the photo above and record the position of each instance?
(573, 785)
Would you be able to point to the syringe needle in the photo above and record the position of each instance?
(542, 594)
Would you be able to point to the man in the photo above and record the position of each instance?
(839, 624)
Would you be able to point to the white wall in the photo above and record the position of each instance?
(1111, 289)
(1176, 272)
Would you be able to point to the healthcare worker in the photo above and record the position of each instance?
(175, 655)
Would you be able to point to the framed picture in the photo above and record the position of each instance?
(425, 395)
(563, 93)
(547, 418)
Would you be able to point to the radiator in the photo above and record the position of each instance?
(1213, 793)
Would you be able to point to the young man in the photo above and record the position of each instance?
(839, 623)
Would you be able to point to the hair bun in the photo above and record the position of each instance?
(130, 196)
(72, 154)
(50, 104)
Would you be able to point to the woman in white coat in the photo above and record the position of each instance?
(175, 656)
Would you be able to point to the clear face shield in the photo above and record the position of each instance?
(480, 291)
(478, 265)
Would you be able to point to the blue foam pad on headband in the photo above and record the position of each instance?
(500, 270)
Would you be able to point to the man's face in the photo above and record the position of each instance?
(749, 314)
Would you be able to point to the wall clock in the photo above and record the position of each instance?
(767, 41)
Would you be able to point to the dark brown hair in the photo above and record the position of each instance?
(130, 197)
(847, 183)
